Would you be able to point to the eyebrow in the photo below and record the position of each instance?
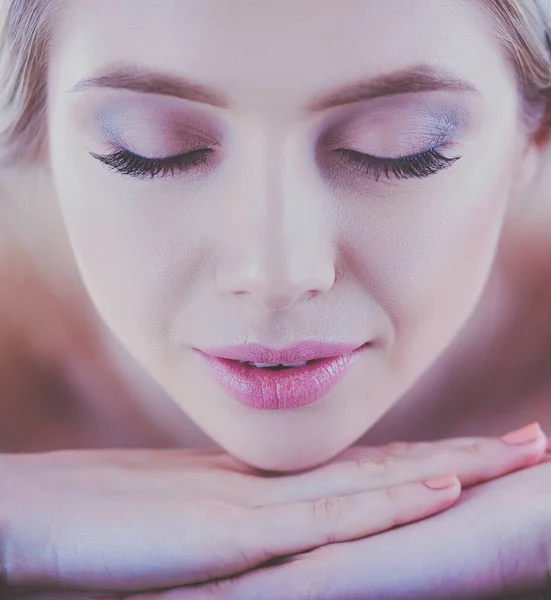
(413, 80)
(153, 82)
(408, 81)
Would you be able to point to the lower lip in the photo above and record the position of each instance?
(280, 390)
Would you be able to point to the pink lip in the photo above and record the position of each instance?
(268, 389)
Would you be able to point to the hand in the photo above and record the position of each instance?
(495, 542)
(132, 520)
(317, 572)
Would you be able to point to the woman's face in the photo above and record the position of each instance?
(282, 182)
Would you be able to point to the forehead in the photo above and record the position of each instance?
(276, 52)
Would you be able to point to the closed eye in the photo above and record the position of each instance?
(130, 164)
(417, 166)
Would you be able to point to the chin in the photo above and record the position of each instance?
(297, 461)
(285, 441)
(278, 452)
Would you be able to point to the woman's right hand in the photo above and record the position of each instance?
(122, 521)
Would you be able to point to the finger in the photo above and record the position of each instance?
(271, 583)
(273, 531)
(427, 559)
(398, 449)
(474, 460)
(297, 527)
(244, 538)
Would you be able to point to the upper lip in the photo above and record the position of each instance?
(301, 352)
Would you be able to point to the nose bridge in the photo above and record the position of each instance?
(285, 240)
(280, 250)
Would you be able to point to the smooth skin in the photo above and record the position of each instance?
(129, 521)
(495, 542)
(278, 239)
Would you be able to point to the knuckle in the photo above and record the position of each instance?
(377, 467)
(473, 449)
(399, 448)
(393, 493)
(328, 511)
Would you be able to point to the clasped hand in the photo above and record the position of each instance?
(163, 524)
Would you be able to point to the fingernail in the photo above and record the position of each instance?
(524, 435)
(442, 482)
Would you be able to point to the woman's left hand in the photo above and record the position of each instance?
(495, 542)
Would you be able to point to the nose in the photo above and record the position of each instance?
(274, 237)
(277, 275)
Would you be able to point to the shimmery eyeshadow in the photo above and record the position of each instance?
(400, 126)
(162, 127)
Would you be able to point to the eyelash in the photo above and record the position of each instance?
(127, 163)
(423, 164)
(417, 166)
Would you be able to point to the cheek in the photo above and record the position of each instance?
(137, 247)
(126, 236)
(425, 257)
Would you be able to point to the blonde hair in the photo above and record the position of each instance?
(523, 26)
